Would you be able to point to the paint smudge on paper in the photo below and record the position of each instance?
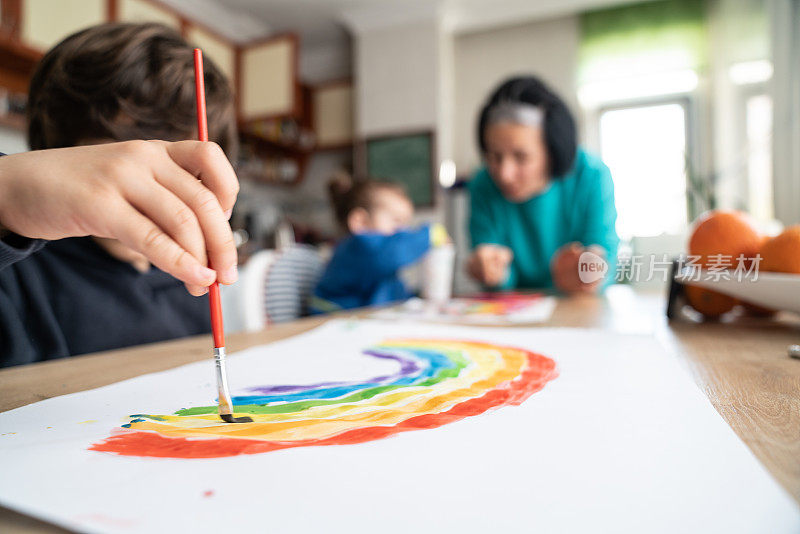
(497, 304)
(438, 382)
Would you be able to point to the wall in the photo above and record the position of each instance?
(325, 63)
(483, 59)
(397, 78)
(397, 65)
(731, 40)
(234, 24)
(12, 140)
(400, 69)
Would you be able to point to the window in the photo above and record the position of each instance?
(639, 68)
(645, 148)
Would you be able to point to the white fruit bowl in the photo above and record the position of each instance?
(776, 291)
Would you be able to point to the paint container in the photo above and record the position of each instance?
(437, 272)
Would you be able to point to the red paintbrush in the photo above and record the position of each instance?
(217, 329)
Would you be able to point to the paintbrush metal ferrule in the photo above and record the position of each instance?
(225, 404)
(223, 394)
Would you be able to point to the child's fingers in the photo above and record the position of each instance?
(172, 215)
(143, 235)
(207, 162)
(219, 242)
(196, 291)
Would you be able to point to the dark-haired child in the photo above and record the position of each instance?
(112, 208)
(364, 268)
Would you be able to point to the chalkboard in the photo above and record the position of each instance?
(404, 159)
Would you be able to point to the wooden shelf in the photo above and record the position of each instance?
(272, 146)
(17, 63)
(273, 151)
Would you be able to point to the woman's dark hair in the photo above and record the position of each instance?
(348, 194)
(125, 81)
(560, 136)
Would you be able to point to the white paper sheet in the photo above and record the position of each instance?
(471, 311)
(621, 441)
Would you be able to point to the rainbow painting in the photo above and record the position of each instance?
(437, 382)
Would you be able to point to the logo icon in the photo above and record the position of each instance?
(591, 267)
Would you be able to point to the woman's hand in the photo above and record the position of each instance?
(489, 264)
(169, 201)
(564, 269)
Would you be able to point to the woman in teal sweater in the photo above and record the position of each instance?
(542, 210)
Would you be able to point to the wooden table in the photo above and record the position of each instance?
(742, 366)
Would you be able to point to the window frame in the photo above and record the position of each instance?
(742, 94)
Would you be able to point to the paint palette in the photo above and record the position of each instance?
(488, 309)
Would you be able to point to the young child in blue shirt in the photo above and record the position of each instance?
(364, 268)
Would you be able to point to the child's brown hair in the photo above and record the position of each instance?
(125, 81)
(348, 194)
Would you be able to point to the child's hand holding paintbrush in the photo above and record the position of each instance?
(146, 194)
(111, 204)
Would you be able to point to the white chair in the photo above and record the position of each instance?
(243, 302)
(274, 286)
(289, 283)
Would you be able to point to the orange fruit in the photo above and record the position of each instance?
(710, 303)
(729, 233)
(781, 254)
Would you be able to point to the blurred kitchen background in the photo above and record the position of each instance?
(693, 104)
